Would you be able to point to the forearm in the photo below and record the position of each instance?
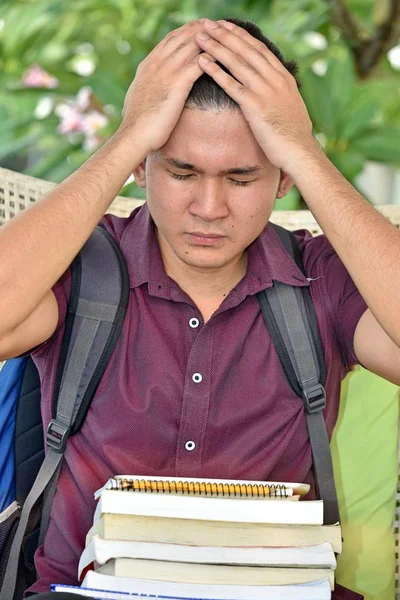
(39, 244)
(367, 243)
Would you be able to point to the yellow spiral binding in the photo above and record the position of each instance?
(201, 488)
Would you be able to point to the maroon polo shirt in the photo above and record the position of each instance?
(188, 399)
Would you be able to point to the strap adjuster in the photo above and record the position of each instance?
(57, 435)
(314, 398)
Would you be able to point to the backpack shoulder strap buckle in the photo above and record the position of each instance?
(57, 435)
(314, 398)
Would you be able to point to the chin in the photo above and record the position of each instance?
(207, 261)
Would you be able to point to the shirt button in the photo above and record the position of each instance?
(190, 445)
(194, 323)
(197, 377)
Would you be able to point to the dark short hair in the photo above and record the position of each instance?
(206, 94)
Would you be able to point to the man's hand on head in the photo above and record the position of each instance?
(163, 80)
(264, 89)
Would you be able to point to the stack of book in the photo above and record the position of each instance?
(207, 539)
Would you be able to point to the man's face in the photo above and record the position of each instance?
(191, 191)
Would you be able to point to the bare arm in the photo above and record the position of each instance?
(38, 245)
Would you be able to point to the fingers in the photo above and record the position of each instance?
(242, 59)
(257, 44)
(232, 87)
(180, 44)
(234, 55)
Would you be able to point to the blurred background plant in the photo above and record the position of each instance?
(65, 68)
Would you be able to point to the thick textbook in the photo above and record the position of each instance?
(241, 510)
(100, 551)
(211, 574)
(212, 533)
(317, 590)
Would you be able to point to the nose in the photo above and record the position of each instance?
(209, 203)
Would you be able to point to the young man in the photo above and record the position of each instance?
(194, 387)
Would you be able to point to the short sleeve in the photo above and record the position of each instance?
(336, 289)
(61, 290)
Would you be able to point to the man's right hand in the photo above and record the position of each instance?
(157, 95)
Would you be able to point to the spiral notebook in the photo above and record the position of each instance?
(205, 487)
(208, 499)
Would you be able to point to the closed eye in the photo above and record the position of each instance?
(184, 177)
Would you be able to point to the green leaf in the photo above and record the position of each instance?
(319, 105)
(349, 162)
(381, 144)
(20, 145)
(359, 120)
(339, 81)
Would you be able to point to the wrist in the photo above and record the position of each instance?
(308, 152)
(129, 136)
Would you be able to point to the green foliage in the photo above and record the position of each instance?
(355, 121)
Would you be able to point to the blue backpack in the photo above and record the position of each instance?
(96, 311)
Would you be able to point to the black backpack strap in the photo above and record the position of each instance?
(28, 442)
(96, 311)
(289, 314)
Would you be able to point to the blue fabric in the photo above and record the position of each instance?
(10, 385)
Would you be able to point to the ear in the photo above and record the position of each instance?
(285, 185)
(140, 174)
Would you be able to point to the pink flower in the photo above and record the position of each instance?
(72, 120)
(35, 76)
(77, 117)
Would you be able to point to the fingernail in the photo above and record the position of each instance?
(211, 24)
(203, 36)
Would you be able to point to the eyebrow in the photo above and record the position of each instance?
(246, 170)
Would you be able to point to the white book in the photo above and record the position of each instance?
(100, 551)
(316, 590)
(138, 568)
(239, 510)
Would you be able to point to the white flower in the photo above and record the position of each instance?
(83, 97)
(320, 67)
(84, 66)
(315, 40)
(394, 57)
(44, 107)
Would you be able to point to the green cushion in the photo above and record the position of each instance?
(364, 451)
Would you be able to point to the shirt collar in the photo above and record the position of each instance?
(267, 260)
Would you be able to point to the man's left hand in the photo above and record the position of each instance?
(264, 89)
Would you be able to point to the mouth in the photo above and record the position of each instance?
(205, 239)
(205, 235)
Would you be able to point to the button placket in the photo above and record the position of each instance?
(195, 402)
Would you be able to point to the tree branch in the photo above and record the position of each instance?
(367, 50)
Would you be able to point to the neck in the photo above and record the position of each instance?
(199, 283)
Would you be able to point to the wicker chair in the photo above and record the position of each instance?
(18, 192)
